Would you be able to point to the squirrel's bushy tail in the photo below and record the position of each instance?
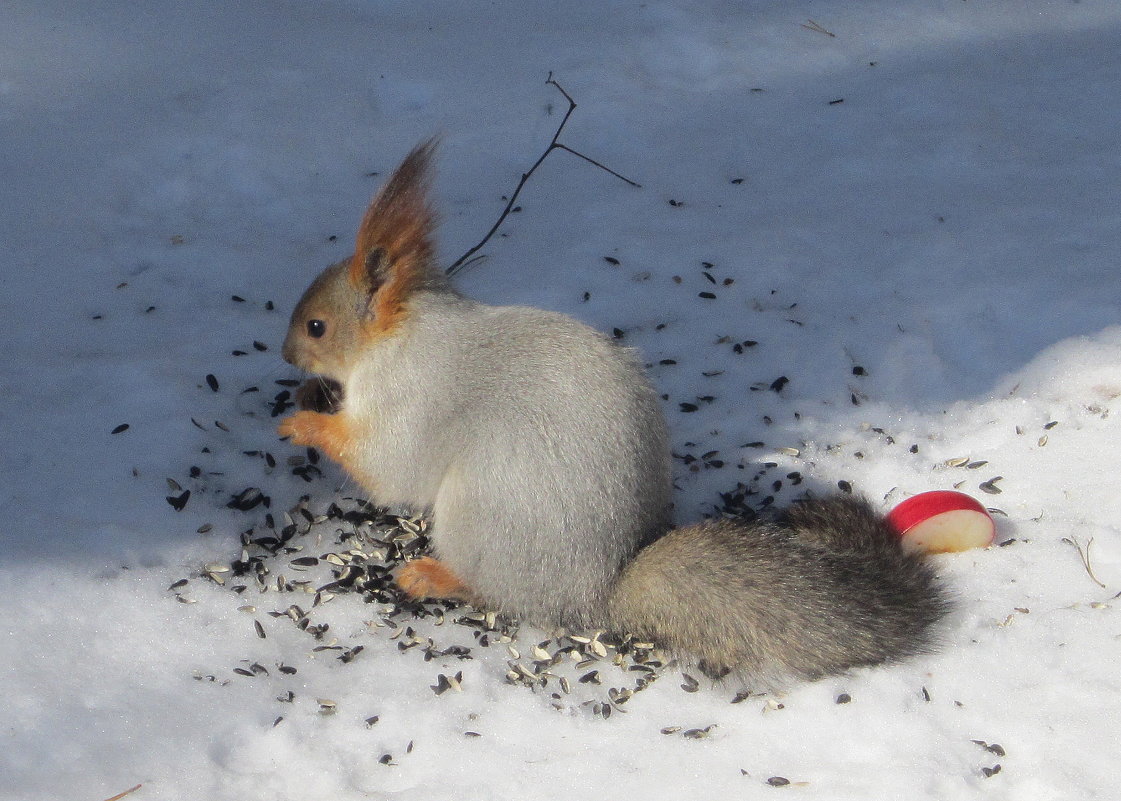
(822, 588)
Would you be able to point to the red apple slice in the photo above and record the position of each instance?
(942, 521)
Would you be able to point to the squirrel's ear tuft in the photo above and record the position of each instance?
(394, 253)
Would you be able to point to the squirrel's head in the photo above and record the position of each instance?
(363, 299)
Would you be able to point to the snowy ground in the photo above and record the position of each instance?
(924, 190)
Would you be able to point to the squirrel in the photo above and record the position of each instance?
(540, 450)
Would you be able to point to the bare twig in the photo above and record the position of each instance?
(119, 796)
(1084, 555)
(816, 27)
(466, 258)
(559, 146)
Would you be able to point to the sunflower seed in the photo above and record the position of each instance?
(699, 734)
(619, 696)
(990, 486)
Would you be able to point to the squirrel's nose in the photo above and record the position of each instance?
(288, 350)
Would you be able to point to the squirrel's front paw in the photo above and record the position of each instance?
(430, 578)
(302, 428)
(330, 433)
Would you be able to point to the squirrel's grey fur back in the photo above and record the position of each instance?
(535, 442)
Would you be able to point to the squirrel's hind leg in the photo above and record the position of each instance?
(430, 578)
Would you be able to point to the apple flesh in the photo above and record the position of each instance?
(942, 521)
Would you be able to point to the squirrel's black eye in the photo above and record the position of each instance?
(316, 328)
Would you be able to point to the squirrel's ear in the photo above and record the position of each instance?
(393, 254)
(375, 269)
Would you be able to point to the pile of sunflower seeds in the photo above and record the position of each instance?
(349, 551)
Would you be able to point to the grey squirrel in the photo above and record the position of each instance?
(540, 450)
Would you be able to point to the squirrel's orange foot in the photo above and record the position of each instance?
(430, 578)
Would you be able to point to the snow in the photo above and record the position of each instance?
(929, 193)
